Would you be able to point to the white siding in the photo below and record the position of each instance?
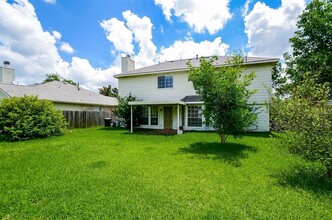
(262, 123)
(145, 87)
(262, 83)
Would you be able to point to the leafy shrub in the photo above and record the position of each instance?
(122, 111)
(307, 117)
(27, 117)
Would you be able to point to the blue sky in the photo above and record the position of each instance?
(83, 40)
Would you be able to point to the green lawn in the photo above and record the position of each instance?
(109, 173)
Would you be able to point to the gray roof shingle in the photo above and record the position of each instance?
(181, 65)
(192, 98)
(59, 92)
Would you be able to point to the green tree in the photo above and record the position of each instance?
(56, 77)
(280, 86)
(108, 91)
(122, 112)
(225, 94)
(69, 81)
(27, 117)
(52, 77)
(306, 116)
(312, 43)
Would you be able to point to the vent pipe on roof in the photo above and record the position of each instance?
(127, 64)
(196, 56)
(78, 86)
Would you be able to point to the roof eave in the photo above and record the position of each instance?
(120, 75)
(80, 103)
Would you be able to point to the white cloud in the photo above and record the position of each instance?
(189, 49)
(245, 8)
(167, 6)
(65, 47)
(57, 35)
(33, 52)
(50, 1)
(141, 29)
(119, 35)
(269, 29)
(92, 78)
(201, 15)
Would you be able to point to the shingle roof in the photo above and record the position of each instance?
(192, 98)
(181, 65)
(59, 92)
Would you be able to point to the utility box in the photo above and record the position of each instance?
(108, 122)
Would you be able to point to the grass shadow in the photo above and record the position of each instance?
(161, 132)
(112, 129)
(310, 177)
(248, 134)
(230, 153)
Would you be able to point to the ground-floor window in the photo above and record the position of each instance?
(154, 115)
(145, 115)
(194, 116)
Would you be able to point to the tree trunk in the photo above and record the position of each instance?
(329, 172)
(222, 138)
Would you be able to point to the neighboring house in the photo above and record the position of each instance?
(66, 97)
(169, 100)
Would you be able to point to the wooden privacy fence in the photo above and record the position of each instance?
(85, 119)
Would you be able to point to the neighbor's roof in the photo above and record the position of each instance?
(60, 92)
(181, 65)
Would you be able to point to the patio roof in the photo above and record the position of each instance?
(157, 103)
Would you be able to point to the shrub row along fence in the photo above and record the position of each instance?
(85, 119)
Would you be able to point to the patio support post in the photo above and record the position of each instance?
(178, 115)
(131, 120)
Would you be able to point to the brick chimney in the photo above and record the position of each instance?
(7, 74)
(127, 64)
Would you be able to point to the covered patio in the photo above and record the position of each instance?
(165, 114)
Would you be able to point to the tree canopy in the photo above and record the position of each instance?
(122, 112)
(108, 91)
(56, 77)
(312, 43)
(225, 95)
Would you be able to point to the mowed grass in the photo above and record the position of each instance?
(106, 173)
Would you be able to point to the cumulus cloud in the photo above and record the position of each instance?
(33, 52)
(50, 1)
(119, 35)
(65, 47)
(269, 29)
(189, 49)
(166, 6)
(57, 35)
(201, 15)
(245, 8)
(141, 30)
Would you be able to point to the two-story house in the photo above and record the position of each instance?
(169, 100)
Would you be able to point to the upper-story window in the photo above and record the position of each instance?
(165, 82)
